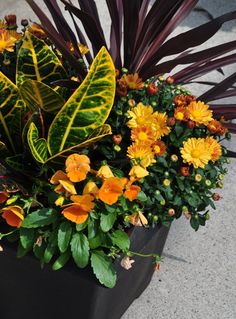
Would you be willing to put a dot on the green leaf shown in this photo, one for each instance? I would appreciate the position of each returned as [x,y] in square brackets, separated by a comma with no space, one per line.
[61,260]
[21,251]
[39,218]
[142,196]
[51,248]
[64,235]
[87,109]
[36,61]
[96,135]
[194,222]
[38,146]
[107,221]
[39,95]
[9,94]
[27,238]
[103,269]
[82,226]
[80,250]
[120,239]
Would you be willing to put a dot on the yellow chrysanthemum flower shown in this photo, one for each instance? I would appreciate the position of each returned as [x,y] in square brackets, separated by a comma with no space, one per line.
[143,134]
[199,112]
[215,148]
[140,115]
[159,124]
[196,152]
[141,154]
[7,41]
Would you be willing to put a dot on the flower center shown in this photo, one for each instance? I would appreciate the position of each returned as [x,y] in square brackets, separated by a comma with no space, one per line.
[196,153]
[179,115]
[142,136]
[157,149]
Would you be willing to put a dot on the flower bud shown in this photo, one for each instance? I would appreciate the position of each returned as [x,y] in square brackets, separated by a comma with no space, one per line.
[170,80]
[184,171]
[171,121]
[131,102]
[124,70]
[208,182]
[11,21]
[174,158]
[24,22]
[198,177]
[171,212]
[191,124]
[152,88]
[166,182]
[117,148]
[216,197]
[117,139]
[162,202]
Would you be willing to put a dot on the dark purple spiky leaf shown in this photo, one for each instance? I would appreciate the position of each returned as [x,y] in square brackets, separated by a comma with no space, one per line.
[93,32]
[231,127]
[186,40]
[199,57]
[116,13]
[231,154]
[62,25]
[219,88]
[153,51]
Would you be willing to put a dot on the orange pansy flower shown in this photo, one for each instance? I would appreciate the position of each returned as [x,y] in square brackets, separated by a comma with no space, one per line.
[90,188]
[78,211]
[77,167]
[111,189]
[14,215]
[64,185]
[105,172]
[132,192]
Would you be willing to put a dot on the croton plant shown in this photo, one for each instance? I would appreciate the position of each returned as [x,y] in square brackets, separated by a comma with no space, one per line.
[93,144]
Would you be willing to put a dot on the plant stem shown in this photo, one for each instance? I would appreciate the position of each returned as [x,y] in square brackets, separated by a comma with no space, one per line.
[4,235]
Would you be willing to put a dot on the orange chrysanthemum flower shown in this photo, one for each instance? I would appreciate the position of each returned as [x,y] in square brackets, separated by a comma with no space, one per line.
[78,212]
[132,192]
[7,41]
[14,215]
[77,167]
[143,134]
[216,127]
[64,185]
[214,147]
[195,151]
[199,112]
[3,197]
[181,113]
[159,148]
[182,100]
[141,154]
[111,190]
[140,115]
[132,81]
[160,124]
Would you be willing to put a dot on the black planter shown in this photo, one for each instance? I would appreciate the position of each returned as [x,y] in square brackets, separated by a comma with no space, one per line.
[27,292]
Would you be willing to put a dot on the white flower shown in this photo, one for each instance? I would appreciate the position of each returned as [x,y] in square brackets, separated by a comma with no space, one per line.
[126,262]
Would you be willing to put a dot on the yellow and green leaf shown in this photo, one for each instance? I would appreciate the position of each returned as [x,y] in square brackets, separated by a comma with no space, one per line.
[87,109]
[36,61]
[96,135]
[39,95]
[38,146]
[8,94]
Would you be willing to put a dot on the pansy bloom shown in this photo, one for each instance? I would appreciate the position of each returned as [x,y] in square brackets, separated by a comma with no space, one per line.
[77,167]
[14,215]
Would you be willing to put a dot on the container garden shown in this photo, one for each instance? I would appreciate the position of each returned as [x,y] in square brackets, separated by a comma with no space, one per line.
[30,292]
[95,142]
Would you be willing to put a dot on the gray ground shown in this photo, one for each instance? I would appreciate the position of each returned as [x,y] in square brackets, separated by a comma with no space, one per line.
[198,276]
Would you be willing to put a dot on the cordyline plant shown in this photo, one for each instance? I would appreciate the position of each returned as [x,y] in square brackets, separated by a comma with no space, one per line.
[93,144]
[140,38]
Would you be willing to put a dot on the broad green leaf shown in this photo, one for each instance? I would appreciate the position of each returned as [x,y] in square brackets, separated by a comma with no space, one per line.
[8,94]
[80,250]
[64,235]
[120,239]
[36,61]
[87,108]
[103,269]
[61,260]
[51,247]
[16,162]
[27,238]
[96,135]
[107,221]
[38,146]
[39,95]
[39,218]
